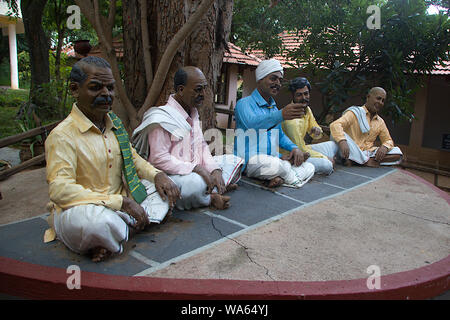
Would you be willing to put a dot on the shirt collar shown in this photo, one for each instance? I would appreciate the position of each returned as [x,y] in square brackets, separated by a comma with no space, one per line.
[83,123]
[261,102]
[368,113]
[175,104]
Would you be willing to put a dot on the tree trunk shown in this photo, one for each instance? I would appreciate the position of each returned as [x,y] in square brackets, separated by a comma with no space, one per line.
[133,57]
[61,30]
[32,11]
[204,48]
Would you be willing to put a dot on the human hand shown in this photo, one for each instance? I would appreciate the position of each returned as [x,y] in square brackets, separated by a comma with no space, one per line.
[297,157]
[285,157]
[202,172]
[293,111]
[136,211]
[345,150]
[218,182]
[381,153]
[167,189]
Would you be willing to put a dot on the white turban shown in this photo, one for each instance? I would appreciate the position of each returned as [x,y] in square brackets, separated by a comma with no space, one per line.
[267,67]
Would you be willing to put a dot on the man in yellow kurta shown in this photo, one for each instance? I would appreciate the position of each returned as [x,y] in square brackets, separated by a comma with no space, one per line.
[355,132]
[296,129]
[92,209]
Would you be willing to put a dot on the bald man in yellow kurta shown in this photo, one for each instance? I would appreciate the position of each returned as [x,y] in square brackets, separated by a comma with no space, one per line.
[354,134]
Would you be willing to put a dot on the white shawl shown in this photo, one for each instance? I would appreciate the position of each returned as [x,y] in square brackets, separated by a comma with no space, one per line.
[165,116]
[360,114]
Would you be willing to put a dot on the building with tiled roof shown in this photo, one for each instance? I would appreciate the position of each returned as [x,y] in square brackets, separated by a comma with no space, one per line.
[236,56]
[290,41]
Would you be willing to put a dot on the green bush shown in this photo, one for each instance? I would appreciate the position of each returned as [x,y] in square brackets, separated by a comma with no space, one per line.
[24,67]
[10,103]
[5,78]
[54,100]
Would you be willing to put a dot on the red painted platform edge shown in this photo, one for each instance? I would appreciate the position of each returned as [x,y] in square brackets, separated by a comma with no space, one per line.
[26,280]
[442,193]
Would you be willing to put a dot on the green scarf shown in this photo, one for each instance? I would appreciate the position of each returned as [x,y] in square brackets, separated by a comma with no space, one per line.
[135,185]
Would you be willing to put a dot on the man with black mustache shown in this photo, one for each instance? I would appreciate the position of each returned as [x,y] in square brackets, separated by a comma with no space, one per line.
[88,158]
[259,134]
[171,138]
[296,129]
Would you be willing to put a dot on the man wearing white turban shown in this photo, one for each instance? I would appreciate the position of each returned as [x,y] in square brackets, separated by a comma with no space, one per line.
[259,134]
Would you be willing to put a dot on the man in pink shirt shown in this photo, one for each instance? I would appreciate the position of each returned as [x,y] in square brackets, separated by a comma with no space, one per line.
[171,138]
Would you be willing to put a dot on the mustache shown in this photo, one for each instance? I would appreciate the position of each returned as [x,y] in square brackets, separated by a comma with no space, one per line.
[302,101]
[102,100]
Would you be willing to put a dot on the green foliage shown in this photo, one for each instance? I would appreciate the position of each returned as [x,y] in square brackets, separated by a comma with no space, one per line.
[26,123]
[256,26]
[51,104]
[87,32]
[5,77]
[23,60]
[53,96]
[64,67]
[10,103]
[343,57]
[12,98]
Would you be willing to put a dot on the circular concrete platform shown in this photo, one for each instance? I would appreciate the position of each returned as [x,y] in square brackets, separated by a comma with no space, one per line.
[399,213]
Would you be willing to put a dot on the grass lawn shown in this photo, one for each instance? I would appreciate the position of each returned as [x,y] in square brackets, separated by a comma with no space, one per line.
[10,101]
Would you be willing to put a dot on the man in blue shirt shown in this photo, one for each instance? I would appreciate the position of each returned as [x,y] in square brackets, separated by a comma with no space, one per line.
[259,134]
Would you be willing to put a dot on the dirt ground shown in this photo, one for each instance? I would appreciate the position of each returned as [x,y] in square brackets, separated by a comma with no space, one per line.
[24,195]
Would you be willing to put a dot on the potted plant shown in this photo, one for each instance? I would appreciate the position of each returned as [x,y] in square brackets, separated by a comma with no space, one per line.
[82,47]
[33,146]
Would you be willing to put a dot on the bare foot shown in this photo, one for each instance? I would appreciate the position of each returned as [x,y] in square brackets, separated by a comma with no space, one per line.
[99,254]
[372,163]
[219,202]
[275,182]
[333,162]
[232,187]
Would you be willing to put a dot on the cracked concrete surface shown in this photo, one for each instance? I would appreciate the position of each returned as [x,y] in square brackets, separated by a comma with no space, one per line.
[246,249]
[397,223]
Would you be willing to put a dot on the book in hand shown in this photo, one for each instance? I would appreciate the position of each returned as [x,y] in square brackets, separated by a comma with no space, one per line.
[155,207]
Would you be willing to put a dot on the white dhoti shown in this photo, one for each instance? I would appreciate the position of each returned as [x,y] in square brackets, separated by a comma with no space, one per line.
[394,150]
[193,187]
[267,167]
[84,227]
[331,148]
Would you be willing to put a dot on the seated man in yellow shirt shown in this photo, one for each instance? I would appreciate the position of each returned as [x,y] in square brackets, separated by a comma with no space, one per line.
[355,132]
[296,129]
[88,158]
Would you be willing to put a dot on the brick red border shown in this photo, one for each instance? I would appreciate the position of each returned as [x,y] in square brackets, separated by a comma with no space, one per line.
[26,280]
